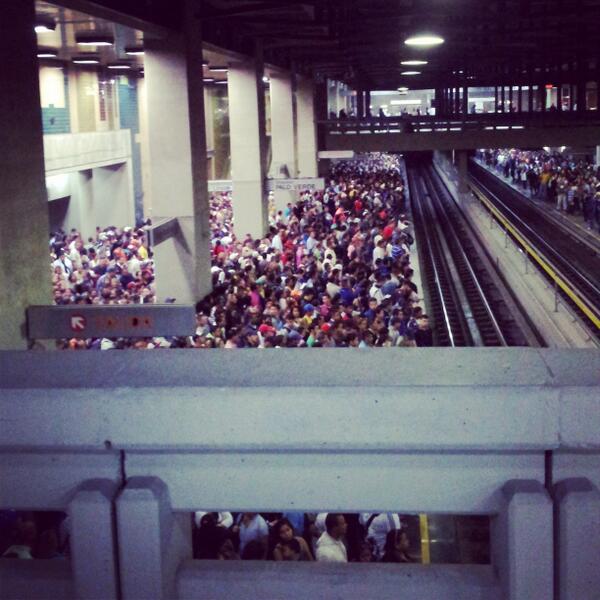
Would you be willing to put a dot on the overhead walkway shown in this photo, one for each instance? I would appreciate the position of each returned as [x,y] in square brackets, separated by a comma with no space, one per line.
[426,133]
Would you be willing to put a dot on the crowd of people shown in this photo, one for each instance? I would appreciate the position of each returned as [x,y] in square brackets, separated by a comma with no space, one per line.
[570,186]
[324,537]
[333,270]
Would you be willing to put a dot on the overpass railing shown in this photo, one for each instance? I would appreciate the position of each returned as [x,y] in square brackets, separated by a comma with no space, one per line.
[470,122]
[129,442]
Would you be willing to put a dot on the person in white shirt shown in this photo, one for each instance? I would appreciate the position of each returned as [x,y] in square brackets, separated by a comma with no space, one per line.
[330,547]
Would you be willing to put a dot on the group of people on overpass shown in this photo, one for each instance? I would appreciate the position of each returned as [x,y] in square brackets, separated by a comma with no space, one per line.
[334,270]
[296,536]
[570,186]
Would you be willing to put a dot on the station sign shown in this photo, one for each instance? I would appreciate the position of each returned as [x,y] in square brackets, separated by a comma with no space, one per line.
[296,185]
[132,320]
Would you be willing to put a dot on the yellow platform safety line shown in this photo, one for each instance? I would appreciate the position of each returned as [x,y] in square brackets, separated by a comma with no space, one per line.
[424,527]
[593,317]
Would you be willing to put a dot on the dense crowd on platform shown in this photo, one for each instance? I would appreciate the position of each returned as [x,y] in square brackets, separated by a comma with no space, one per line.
[324,537]
[570,186]
[333,271]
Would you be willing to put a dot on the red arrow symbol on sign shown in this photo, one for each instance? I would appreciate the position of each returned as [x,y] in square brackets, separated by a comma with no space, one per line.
[77,322]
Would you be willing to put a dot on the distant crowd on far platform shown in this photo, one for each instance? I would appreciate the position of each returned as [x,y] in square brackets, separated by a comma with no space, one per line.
[571,186]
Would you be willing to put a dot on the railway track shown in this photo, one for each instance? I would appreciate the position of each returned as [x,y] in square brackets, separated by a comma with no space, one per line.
[469,303]
[570,264]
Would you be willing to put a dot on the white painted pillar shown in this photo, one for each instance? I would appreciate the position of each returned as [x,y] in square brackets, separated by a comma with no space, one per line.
[598,156]
[282,127]
[93,556]
[306,129]
[248,143]
[153,541]
[521,540]
[177,149]
[24,228]
[578,545]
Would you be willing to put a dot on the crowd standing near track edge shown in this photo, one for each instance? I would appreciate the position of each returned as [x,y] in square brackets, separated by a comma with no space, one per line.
[333,271]
[570,186]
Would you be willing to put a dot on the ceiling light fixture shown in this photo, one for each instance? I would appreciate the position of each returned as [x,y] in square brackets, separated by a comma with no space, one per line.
[205,63]
[413,63]
[86,60]
[424,40]
[403,89]
[410,73]
[219,69]
[119,66]
[221,82]
[134,50]
[209,80]
[44,25]
[47,53]
[266,79]
[94,39]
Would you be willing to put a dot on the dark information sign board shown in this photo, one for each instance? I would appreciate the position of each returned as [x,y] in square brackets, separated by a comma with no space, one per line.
[132,320]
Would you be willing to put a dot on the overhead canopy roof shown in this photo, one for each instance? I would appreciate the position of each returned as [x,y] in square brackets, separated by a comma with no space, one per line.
[362,41]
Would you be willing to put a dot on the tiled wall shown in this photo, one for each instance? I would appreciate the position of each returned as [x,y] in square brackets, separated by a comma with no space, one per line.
[57,119]
[130,119]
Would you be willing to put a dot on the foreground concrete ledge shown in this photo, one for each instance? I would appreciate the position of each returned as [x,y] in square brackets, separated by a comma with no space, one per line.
[36,579]
[324,367]
[330,581]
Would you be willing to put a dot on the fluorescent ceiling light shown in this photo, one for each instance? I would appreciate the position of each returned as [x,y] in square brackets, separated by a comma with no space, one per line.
[208,79]
[134,50]
[86,60]
[205,63]
[221,82]
[119,66]
[410,73]
[47,53]
[45,25]
[413,63]
[91,39]
[403,89]
[222,69]
[424,40]
[266,79]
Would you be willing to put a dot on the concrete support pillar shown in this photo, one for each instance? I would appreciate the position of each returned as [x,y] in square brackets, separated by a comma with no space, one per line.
[463,176]
[153,541]
[368,103]
[522,541]
[495,98]
[248,140]
[597,156]
[306,131]
[360,103]
[24,228]
[178,167]
[283,163]
[577,510]
[93,543]
[465,101]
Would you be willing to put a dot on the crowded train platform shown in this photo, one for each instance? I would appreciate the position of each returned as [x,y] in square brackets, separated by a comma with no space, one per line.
[334,271]
[568,184]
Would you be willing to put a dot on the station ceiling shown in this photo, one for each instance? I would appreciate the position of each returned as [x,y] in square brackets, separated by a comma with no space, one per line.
[361,42]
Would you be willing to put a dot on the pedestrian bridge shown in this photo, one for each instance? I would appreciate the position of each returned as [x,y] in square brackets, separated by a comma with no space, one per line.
[469,132]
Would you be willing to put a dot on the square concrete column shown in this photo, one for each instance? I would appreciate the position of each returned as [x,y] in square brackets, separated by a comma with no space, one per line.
[248,148]
[522,541]
[463,171]
[577,509]
[283,163]
[306,128]
[93,543]
[24,229]
[178,171]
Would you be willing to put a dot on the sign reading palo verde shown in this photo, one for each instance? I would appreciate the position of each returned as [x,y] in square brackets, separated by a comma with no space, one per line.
[297,185]
[133,320]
